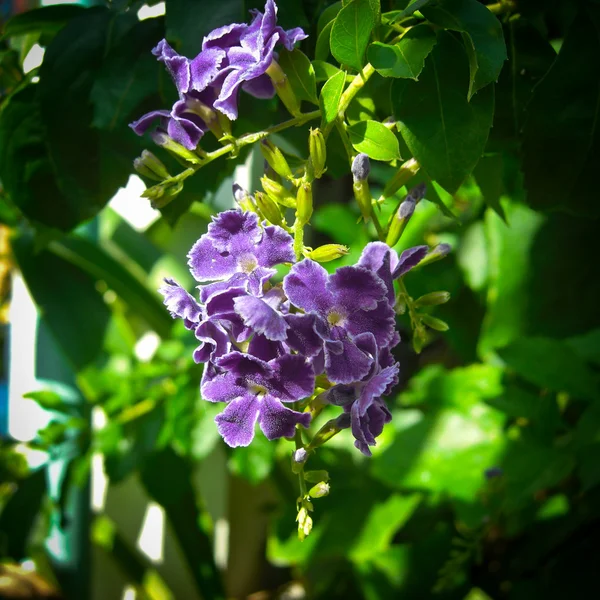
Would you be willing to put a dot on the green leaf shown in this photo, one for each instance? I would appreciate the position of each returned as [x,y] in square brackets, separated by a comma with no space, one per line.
[49,400]
[45,20]
[382,523]
[351,33]
[406,58]
[375,140]
[445,132]
[587,346]
[488,174]
[413,7]
[561,136]
[482,34]
[323,42]
[300,74]
[255,462]
[551,364]
[324,70]
[328,15]
[330,97]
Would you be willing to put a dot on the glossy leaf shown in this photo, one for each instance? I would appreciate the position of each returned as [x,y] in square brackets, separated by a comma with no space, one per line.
[482,34]
[330,97]
[322,49]
[351,32]
[323,70]
[300,74]
[375,140]
[328,15]
[407,57]
[561,137]
[445,132]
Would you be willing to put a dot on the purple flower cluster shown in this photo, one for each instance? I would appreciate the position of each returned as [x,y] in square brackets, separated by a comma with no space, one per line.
[232,57]
[264,344]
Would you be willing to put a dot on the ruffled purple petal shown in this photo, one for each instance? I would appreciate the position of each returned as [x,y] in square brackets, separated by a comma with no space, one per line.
[302,335]
[232,226]
[205,67]
[236,281]
[207,263]
[261,318]
[381,259]
[278,421]
[236,423]
[143,123]
[275,247]
[214,341]
[290,37]
[224,37]
[179,302]
[257,279]
[350,365]
[185,132]
[356,288]
[228,96]
[223,387]
[380,322]
[264,349]
[245,366]
[177,65]
[260,87]
[292,379]
[306,287]
[409,259]
[375,387]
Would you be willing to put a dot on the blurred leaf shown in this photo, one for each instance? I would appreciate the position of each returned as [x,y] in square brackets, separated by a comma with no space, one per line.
[551,364]
[561,140]
[330,97]
[255,462]
[69,303]
[187,22]
[445,132]
[383,521]
[488,174]
[323,70]
[49,400]
[587,346]
[407,57]
[167,479]
[47,20]
[300,74]
[375,140]
[482,34]
[351,32]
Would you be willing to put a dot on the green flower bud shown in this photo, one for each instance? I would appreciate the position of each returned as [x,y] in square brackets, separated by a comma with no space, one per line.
[162,139]
[283,88]
[304,203]
[319,490]
[207,114]
[328,252]
[269,210]
[162,194]
[437,253]
[304,524]
[278,192]
[401,177]
[318,152]
[274,156]
[316,476]
[399,221]
[142,169]
[434,322]
[151,166]
[432,299]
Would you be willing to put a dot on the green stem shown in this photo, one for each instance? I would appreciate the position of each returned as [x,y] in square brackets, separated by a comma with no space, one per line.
[299,445]
[298,239]
[323,435]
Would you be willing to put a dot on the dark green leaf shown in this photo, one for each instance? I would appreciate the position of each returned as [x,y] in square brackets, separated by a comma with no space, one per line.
[587,346]
[323,42]
[445,132]
[488,174]
[330,97]
[413,6]
[323,70]
[44,20]
[300,74]
[482,35]
[406,58]
[351,33]
[551,364]
[561,137]
[375,140]
[328,15]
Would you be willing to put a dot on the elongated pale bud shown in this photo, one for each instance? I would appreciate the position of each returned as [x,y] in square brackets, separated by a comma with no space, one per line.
[299,457]
[399,221]
[401,177]
[361,167]
[278,192]
[269,210]
[164,141]
[283,88]
[319,490]
[304,203]
[437,253]
[328,252]
[318,152]
[207,114]
[274,156]
[432,299]
[434,322]
[142,169]
[242,198]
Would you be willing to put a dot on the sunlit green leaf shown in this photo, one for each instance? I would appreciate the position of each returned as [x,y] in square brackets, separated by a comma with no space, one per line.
[300,74]
[330,97]
[375,140]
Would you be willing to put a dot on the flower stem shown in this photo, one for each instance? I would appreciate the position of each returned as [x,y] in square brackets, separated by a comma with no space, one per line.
[300,444]
[298,239]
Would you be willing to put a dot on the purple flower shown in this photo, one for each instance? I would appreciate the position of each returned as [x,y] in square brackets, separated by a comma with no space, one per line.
[236,252]
[351,301]
[362,401]
[254,391]
[180,303]
[186,121]
[249,51]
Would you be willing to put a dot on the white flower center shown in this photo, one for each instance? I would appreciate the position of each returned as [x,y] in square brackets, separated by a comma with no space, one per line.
[247,263]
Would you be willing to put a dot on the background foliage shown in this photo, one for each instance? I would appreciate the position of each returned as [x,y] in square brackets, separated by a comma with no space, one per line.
[487,481]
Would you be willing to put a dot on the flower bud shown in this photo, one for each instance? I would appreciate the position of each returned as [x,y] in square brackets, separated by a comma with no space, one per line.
[437,253]
[242,198]
[269,210]
[316,476]
[274,156]
[399,221]
[299,457]
[432,299]
[162,139]
[304,203]
[304,524]
[151,166]
[317,152]
[434,322]
[283,88]
[319,490]
[142,169]
[361,167]
[401,177]
[278,192]
[328,252]
[162,194]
